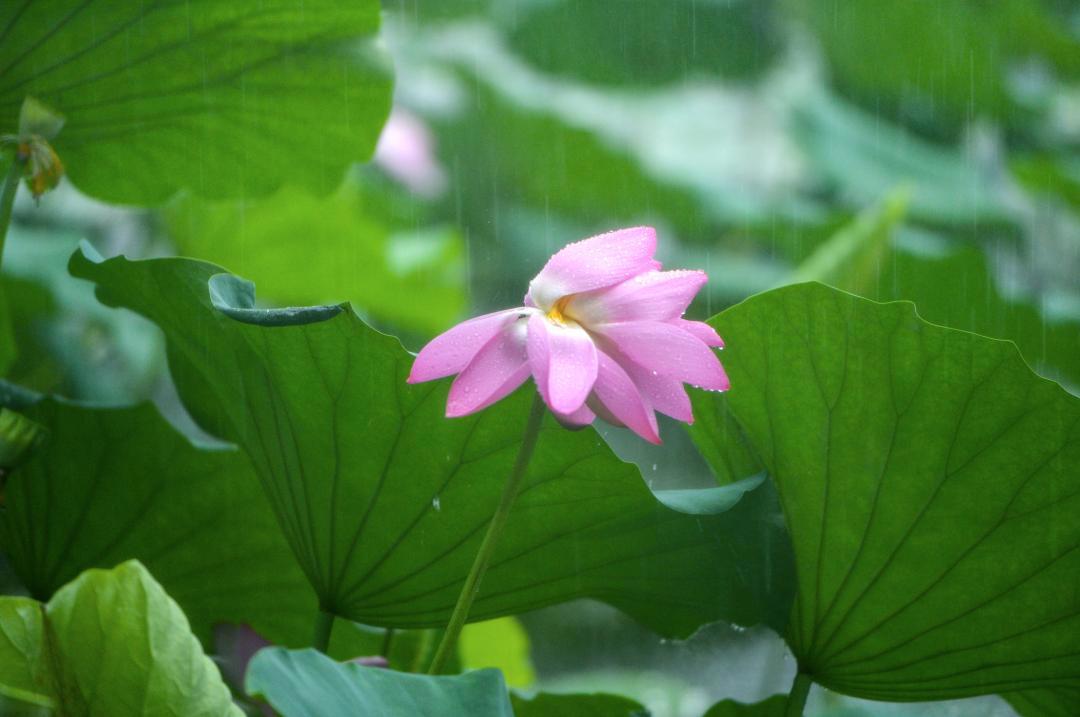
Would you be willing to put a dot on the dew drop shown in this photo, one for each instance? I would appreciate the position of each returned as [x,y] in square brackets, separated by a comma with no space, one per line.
[436,504]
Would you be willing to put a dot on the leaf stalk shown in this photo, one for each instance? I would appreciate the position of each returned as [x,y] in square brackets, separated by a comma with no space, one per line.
[324,625]
[796,701]
[487,548]
[7,197]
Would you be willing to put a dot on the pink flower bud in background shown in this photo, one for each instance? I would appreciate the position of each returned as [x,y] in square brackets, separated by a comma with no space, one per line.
[602,334]
[406,151]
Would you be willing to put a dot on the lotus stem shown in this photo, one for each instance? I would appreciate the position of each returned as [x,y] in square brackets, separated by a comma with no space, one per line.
[7,197]
[800,688]
[324,625]
[487,548]
[387,643]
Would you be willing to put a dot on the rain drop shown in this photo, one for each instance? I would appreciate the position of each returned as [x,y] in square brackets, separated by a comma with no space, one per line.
[436,504]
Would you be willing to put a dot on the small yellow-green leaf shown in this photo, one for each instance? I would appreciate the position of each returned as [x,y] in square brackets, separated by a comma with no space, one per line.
[501,643]
[111,642]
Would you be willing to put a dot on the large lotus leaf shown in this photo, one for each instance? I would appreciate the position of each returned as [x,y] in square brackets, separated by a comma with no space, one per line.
[224,98]
[948,281]
[112,484]
[863,158]
[647,42]
[511,146]
[852,259]
[1061,702]
[929,481]
[583,156]
[112,642]
[411,279]
[935,63]
[775,706]
[384,501]
[306,683]
[577,705]
[951,285]
[1056,174]
[121,483]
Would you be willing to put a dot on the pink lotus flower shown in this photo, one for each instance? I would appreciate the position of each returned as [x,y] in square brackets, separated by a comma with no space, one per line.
[406,151]
[601,333]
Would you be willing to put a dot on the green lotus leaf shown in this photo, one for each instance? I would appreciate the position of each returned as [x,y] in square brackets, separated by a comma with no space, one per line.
[878,257]
[384,501]
[1061,702]
[413,279]
[227,99]
[773,707]
[929,481]
[111,642]
[862,158]
[120,483]
[965,49]
[306,683]
[577,705]
[652,41]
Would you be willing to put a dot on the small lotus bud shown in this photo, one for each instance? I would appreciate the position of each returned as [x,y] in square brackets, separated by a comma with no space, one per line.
[41,166]
[37,119]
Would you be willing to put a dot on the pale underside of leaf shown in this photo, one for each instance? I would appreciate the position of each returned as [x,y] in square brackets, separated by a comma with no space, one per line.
[306,683]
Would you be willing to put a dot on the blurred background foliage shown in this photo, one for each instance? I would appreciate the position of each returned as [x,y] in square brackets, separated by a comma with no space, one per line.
[926,150]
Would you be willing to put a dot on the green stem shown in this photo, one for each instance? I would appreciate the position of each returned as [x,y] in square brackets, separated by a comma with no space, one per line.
[324,624]
[796,700]
[387,642]
[7,198]
[423,649]
[491,538]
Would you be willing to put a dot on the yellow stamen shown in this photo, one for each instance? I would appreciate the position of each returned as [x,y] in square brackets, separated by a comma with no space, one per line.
[558,311]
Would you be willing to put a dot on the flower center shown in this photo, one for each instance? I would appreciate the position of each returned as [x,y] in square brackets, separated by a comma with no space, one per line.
[558,312]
